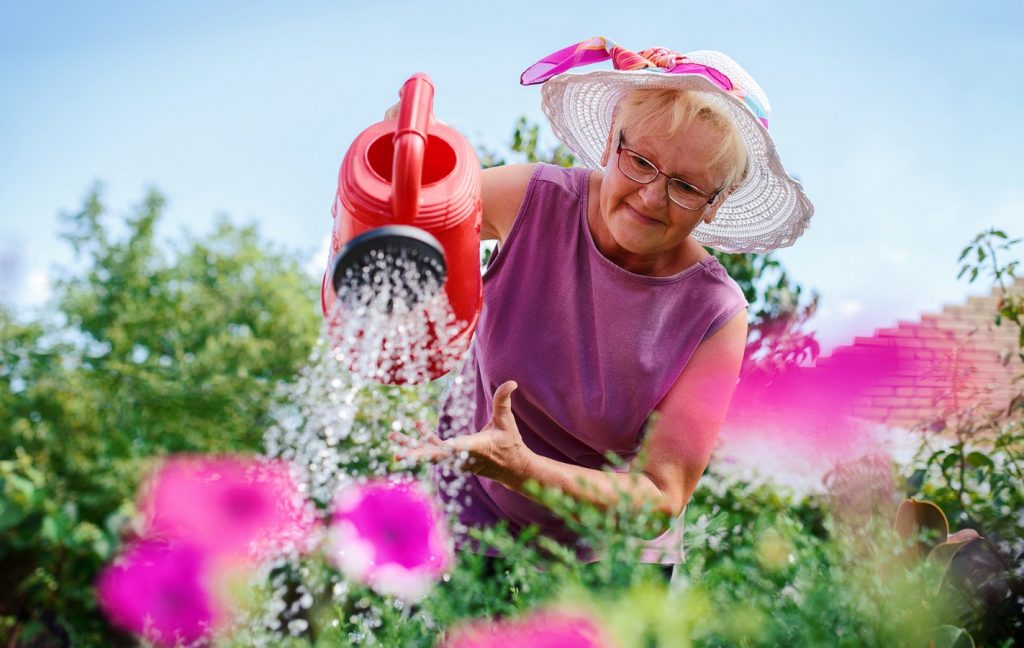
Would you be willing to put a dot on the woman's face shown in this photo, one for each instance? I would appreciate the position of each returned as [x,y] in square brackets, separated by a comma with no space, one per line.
[638,227]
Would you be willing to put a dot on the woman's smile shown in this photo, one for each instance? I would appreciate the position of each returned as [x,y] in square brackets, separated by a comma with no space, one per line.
[640,217]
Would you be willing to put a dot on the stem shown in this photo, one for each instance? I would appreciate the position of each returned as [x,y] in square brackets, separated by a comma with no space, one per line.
[963,470]
[996,270]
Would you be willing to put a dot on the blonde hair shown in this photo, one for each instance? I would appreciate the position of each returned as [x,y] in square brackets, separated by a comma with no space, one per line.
[665,111]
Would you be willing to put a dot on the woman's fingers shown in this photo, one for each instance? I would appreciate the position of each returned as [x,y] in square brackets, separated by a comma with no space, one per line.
[502,412]
[402,439]
[424,446]
[430,453]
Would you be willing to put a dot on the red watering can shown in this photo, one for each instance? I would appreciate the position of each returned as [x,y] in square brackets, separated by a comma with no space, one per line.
[409,189]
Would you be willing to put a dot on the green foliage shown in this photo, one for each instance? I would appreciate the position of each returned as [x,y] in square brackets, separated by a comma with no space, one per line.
[159,347]
[152,347]
[971,464]
[526,149]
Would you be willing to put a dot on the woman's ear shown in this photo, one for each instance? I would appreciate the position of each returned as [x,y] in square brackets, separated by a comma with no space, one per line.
[710,215]
[607,149]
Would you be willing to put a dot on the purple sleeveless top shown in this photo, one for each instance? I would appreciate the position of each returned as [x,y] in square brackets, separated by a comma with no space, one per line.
[593,347]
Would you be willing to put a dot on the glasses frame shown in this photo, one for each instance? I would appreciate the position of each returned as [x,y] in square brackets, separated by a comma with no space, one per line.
[711,198]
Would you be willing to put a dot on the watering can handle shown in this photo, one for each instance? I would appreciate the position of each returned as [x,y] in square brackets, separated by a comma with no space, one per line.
[414,116]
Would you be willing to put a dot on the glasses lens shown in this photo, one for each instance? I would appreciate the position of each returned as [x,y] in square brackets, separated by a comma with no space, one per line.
[686,195]
[636,168]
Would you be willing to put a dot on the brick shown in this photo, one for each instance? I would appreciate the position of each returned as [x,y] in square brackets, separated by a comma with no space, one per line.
[871,342]
[989,302]
[961,325]
[911,413]
[873,413]
[915,343]
[877,391]
[927,381]
[896,333]
[932,332]
[895,381]
[889,401]
[922,402]
[906,391]
[907,423]
[956,312]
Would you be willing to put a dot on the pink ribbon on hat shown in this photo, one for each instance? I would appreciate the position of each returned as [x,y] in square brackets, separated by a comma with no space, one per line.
[660,59]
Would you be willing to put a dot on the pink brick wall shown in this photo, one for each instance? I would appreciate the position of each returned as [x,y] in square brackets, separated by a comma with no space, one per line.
[955,357]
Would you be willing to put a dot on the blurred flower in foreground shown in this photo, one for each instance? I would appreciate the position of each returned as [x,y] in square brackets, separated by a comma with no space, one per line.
[159,590]
[861,488]
[537,630]
[228,505]
[389,535]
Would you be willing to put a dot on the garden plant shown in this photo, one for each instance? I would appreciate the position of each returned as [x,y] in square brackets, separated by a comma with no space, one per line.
[146,492]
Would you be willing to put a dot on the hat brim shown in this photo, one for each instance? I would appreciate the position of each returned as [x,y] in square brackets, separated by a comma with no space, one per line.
[767,211]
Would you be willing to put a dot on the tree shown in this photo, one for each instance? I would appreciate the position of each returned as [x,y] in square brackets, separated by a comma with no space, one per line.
[151,349]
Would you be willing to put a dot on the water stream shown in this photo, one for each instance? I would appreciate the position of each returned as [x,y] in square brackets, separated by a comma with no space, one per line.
[333,422]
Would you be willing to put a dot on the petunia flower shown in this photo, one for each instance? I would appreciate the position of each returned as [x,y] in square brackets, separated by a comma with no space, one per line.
[160,590]
[389,535]
[544,629]
[228,506]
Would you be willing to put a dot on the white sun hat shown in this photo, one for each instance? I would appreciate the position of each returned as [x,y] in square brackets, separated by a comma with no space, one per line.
[768,210]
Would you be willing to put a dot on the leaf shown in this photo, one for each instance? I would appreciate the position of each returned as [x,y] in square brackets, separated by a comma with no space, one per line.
[979,459]
[943,552]
[915,518]
[916,480]
[950,460]
[947,636]
[10,514]
[964,253]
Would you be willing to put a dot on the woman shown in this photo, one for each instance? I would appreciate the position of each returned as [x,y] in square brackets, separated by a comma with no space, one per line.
[606,326]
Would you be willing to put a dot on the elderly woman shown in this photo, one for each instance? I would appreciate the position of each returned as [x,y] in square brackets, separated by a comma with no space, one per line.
[606,325]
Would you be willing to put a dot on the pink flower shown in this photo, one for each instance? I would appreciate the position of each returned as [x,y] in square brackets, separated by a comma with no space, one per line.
[228,505]
[389,535]
[159,590]
[537,630]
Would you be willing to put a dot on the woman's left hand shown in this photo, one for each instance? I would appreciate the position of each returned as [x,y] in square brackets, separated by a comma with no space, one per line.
[497,451]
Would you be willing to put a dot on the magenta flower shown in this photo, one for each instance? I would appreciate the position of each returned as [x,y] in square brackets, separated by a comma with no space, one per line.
[389,535]
[537,630]
[228,505]
[160,590]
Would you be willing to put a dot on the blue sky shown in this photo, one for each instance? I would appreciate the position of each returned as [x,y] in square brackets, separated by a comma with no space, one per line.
[903,122]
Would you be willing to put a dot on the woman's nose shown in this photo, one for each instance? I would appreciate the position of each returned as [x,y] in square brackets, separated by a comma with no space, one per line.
[654,193]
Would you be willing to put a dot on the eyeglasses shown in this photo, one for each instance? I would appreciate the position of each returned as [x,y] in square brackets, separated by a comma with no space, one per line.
[639,169]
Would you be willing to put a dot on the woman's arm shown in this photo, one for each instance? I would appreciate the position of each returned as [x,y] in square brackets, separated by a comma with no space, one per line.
[502,192]
[675,453]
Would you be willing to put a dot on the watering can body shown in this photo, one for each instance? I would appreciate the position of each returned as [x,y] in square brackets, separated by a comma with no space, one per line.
[420,178]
